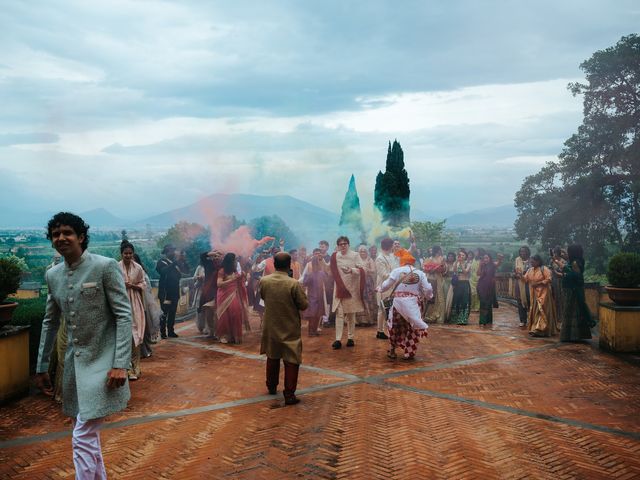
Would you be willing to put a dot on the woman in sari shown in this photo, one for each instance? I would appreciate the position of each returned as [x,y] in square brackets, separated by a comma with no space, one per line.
[576,321]
[474,263]
[461,290]
[522,264]
[435,267]
[486,289]
[152,314]
[369,316]
[542,312]
[134,281]
[406,326]
[313,279]
[556,264]
[448,289]
[231,301]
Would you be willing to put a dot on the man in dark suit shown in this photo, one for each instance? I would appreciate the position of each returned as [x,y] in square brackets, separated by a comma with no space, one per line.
[168,290]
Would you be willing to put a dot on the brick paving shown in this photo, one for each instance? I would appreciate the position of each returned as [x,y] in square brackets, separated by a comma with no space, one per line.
[476,403]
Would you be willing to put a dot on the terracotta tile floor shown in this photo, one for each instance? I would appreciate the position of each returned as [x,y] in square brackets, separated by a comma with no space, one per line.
[475,404]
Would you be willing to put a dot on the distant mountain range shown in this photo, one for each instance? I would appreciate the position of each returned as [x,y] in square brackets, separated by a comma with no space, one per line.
[246,207]
[301,216]
[502,217]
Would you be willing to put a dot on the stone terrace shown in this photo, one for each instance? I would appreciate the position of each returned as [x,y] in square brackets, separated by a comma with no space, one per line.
[476,403]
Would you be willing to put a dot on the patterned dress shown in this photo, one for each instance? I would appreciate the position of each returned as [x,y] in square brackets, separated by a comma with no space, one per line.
[406,326]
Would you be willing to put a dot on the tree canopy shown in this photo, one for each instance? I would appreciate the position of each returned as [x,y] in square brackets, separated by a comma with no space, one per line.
[274,226]
[391,194]
[591,195]
[192,238]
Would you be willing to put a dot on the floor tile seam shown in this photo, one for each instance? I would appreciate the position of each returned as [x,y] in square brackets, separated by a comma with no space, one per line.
[464,362]
[253,356]
[130,422]
[512,410]
[452,328]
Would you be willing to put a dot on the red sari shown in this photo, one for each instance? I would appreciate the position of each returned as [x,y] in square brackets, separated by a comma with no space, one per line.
[231,301]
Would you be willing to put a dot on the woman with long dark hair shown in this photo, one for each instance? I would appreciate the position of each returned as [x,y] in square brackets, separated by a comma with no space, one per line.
[542,312]
[486,288]
[576,321]
[152,314]
[313,279]
[134,281]
[461,290]
[231,301]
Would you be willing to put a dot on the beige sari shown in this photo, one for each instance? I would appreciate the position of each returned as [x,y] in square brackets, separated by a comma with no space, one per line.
[542,321]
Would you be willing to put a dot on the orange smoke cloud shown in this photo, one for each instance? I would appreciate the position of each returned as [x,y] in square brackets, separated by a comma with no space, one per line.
[240,242]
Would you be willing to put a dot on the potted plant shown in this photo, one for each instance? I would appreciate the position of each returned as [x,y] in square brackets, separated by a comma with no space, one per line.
[10,272]
[624,275]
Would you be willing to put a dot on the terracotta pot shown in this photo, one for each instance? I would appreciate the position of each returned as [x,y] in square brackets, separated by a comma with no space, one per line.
[624,296]
[6,312]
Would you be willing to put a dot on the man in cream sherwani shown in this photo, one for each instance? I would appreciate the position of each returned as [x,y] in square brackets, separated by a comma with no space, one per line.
[349,277]
[89,291]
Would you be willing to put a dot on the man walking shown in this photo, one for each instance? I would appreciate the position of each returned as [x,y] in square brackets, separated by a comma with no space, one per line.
[281,339]
[89,291]
[349,277]
[168,290]
[385,263]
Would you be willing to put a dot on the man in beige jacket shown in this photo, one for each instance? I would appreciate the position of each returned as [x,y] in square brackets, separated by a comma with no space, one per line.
[349,277]
[283,298]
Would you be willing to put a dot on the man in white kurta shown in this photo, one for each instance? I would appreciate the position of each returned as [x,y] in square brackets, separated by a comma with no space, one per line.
[348,274]
[405,322]
[386,261]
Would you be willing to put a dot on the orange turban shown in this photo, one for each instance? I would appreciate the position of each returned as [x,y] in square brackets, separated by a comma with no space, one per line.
[405,257]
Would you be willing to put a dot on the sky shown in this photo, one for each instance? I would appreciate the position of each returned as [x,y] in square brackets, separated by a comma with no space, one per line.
[141,107]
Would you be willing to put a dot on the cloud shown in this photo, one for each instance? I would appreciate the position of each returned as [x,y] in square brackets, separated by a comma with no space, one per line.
[143,97]
[7,139]
[539,160]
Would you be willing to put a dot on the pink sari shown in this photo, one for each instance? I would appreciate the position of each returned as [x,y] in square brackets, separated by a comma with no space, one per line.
[231,309]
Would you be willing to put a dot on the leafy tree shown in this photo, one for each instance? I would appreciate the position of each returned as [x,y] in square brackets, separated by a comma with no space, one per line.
[351,213]
[273,226]
[191,238]
[591,195]
[428,234]
[391,193]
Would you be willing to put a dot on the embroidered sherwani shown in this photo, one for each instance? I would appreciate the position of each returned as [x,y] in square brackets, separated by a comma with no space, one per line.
[93,299]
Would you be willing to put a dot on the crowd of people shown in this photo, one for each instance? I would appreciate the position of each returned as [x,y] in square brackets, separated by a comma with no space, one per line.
[102,318]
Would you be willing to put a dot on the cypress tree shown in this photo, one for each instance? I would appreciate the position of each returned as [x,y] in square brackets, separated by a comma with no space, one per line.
[351,213]
[392,192]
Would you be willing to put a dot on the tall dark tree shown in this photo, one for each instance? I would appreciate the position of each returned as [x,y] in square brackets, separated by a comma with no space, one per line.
[391,194]
[591,195]
[351,213]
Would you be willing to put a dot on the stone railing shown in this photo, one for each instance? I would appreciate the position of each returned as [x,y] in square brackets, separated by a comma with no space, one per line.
[594,293]
[185,304]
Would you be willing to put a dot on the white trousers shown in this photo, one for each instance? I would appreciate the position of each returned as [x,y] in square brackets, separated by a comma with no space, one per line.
[382,313]
[87,452]
[341,317]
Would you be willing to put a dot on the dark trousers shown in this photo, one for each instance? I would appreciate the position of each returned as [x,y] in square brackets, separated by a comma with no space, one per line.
[168,320]
[290,376]
[523,310]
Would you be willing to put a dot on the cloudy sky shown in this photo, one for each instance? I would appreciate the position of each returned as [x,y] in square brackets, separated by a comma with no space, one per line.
[144,106]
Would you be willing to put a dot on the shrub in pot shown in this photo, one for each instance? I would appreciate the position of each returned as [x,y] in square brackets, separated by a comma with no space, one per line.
[624,276]
[10,271]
